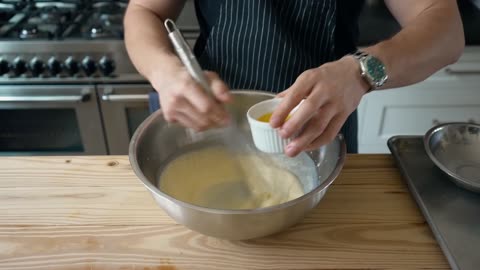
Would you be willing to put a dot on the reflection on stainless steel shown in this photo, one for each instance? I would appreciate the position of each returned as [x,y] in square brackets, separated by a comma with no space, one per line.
[455,149]
[97,31]
[29,31]
[123,98]
[156,142]
[79,98]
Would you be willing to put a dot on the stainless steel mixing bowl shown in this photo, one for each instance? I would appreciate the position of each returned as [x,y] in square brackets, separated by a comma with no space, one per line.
[455,149]
[156,142]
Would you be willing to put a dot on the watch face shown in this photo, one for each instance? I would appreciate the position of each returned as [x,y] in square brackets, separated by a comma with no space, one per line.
[376,69]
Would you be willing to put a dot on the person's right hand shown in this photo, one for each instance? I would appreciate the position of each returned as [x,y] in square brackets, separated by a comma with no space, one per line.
[183,101]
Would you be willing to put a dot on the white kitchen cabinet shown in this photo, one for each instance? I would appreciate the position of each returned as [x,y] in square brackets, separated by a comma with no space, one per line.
[450,95]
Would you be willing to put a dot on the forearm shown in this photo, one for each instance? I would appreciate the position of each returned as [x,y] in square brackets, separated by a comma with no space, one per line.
[428,42]
[147,42]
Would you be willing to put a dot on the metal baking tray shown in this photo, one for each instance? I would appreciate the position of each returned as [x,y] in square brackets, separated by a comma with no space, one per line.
[453,213]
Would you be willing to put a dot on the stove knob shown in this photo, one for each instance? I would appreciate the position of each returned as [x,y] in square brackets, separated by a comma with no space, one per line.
[4,66]
[36,66]
[89,66]
[72,66]
[107,65]
[19,66]
[54,66]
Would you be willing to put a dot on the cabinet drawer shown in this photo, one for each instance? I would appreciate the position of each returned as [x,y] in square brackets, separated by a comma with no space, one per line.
[416,120]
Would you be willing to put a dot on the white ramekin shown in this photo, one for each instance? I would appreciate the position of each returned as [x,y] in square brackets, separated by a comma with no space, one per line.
[265,138]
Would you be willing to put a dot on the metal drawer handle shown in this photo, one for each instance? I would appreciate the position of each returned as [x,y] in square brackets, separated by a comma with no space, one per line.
[454,71]
[123,98]
[56,99]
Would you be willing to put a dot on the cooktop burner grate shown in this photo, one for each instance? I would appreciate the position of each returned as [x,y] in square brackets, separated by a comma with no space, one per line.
[58,20]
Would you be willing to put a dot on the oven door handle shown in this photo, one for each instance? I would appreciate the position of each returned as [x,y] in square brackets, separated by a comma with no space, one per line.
[124,98]
[54,99]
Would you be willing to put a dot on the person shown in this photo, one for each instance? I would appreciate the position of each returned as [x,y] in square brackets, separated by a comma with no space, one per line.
[301,50]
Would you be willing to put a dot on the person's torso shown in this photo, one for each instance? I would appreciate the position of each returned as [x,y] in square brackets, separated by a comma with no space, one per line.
[266,44]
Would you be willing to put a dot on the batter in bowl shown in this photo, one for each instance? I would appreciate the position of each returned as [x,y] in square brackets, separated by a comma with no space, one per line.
[209,177]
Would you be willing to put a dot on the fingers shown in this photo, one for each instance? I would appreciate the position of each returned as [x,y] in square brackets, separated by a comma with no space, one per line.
[219,88]
[300,89]
[186,121]
[199,122]
[283,93]
[315,127]
[329,134]
[187,115]
[308,108]
[204,104]
[183,100]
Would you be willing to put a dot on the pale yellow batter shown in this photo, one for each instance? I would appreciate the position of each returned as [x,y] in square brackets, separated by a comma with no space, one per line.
[212,177]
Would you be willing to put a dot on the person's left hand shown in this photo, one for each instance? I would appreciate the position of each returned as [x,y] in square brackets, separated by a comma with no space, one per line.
[331,92]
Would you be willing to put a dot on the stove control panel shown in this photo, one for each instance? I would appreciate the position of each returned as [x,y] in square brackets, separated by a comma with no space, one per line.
[66,61]
[106,65]
[52,66]
[89,65]
[36,66]
[18,66]
[4,66]
[71,66]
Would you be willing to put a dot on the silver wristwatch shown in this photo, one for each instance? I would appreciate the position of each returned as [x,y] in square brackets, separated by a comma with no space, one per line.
[372,69]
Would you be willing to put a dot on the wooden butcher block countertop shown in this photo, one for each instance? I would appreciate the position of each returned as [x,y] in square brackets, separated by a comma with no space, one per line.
[93,213]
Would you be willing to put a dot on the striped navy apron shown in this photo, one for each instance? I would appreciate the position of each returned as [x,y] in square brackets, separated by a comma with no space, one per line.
[266,44]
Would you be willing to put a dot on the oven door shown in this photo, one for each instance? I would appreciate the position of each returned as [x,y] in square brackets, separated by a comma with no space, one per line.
[124,107]
[50,120]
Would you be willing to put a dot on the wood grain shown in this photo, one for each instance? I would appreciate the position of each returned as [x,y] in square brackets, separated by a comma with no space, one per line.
[77,171]
[93,213]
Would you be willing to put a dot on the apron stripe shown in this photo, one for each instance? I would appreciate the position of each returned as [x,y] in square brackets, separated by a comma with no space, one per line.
[288,77]
[272,76]
[332,47]
[244,51]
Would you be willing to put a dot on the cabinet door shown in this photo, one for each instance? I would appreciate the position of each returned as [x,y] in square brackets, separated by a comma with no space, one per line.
[124,107]
[50,120]
[415,109]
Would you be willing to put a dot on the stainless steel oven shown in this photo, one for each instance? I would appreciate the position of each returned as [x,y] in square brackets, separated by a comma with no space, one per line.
[124,107]
[67,85]
[53,119]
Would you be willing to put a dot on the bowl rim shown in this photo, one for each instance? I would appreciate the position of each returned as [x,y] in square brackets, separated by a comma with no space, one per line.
[426,143]
[139,133]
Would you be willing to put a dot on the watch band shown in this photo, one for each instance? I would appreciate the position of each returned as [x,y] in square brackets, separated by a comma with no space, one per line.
[359,55]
